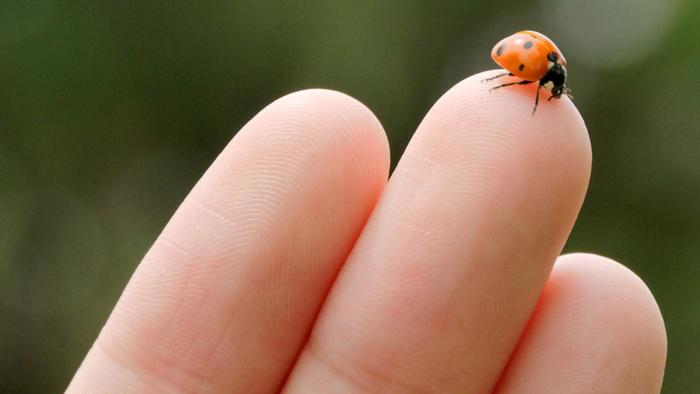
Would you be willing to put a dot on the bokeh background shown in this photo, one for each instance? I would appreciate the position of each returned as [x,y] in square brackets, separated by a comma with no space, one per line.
[110,111]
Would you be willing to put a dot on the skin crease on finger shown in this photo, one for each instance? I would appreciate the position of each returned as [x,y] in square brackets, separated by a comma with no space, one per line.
[441,283]
[596,329]
[226,297]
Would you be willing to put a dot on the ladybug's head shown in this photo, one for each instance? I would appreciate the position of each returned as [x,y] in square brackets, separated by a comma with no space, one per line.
[561,90]
[555,79]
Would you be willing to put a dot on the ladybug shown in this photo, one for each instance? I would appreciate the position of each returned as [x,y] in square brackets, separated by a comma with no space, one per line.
[533,57]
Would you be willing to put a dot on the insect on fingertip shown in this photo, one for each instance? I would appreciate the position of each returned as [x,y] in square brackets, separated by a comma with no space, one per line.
[533,57]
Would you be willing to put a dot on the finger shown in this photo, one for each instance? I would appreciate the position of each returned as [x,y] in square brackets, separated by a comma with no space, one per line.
[225,298]
[596,329]
[441,283]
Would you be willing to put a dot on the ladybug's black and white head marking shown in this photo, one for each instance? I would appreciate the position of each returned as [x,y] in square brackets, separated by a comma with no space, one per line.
[555,79]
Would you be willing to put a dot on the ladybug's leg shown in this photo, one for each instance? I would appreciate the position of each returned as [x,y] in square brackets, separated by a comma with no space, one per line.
[537,99]
[496,77]
[510,84]
[565,93]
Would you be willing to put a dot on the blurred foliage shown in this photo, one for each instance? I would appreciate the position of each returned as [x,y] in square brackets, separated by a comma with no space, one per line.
[110,110]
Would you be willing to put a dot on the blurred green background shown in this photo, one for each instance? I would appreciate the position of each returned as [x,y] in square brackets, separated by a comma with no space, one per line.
[110,111]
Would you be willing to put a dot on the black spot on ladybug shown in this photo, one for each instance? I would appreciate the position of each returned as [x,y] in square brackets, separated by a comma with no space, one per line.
[552,56]
[521,67]
[500,49]
[528,45]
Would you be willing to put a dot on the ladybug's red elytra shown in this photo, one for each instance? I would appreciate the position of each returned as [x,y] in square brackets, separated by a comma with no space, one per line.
[533,57]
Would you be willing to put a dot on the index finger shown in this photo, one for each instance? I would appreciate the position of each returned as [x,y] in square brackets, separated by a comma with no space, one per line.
[441,283]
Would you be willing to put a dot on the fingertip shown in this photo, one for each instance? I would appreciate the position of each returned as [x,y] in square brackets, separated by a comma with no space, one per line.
[628,306]
[474,97]
[512,107]
[323,140]
[545,156]
[515,104]
[329,116]
[630,301]
[596,327]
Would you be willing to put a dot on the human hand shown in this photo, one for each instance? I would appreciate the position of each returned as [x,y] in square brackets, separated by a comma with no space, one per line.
[292,265]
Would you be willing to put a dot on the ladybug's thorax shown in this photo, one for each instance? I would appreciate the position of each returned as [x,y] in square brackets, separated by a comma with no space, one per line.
[553,59]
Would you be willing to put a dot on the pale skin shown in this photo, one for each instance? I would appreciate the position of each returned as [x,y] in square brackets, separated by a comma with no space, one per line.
[294,266]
